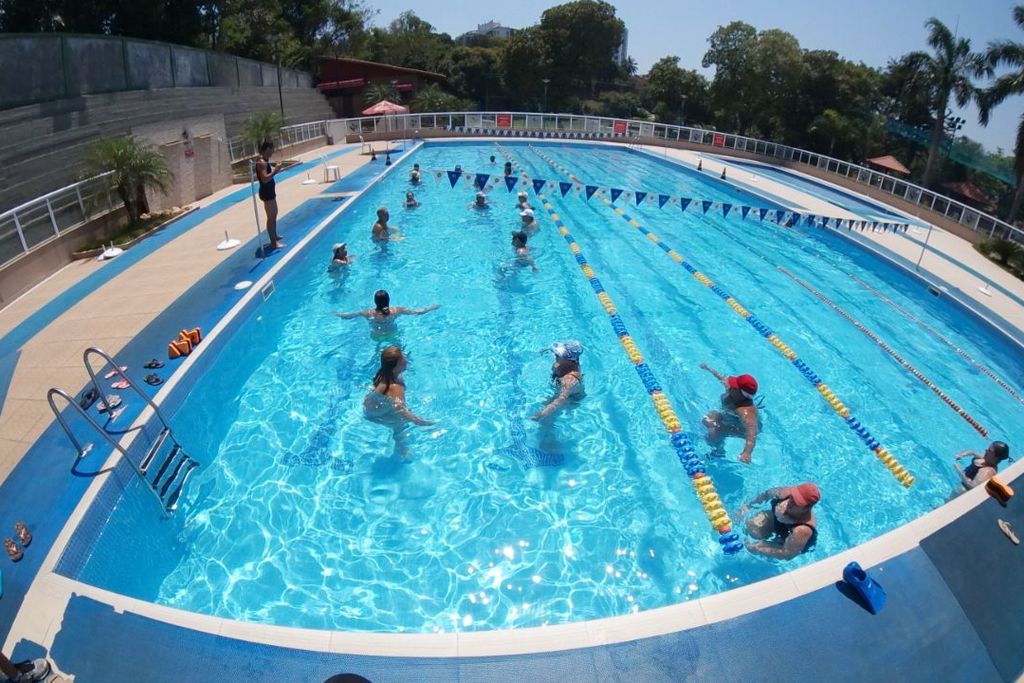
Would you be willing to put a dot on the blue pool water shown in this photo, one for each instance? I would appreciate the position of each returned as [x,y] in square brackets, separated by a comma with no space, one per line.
[844,200]
[304,515]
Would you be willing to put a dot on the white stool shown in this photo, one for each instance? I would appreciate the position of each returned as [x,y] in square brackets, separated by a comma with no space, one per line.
[330,172]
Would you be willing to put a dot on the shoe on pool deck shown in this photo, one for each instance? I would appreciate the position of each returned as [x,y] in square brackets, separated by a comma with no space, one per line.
[1007,529]
[31,670]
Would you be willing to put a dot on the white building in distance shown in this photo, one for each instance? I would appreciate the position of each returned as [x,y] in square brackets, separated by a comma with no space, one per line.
[622,54]
[491,29]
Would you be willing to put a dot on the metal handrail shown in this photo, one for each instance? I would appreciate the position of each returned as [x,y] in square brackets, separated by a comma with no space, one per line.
[117,369]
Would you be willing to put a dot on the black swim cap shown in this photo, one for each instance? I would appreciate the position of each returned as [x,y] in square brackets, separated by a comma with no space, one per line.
[1000,450]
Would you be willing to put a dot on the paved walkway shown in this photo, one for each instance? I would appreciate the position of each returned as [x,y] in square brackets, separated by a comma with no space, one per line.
[118,310]
[947,257]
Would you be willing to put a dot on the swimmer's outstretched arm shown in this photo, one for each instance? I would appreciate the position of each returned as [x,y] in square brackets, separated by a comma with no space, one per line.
[355,314]
[402,310]
[719,376]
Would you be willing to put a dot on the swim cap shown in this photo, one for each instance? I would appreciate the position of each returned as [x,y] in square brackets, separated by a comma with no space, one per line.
[1000,450]
[568,350]
[745,383]
[480,194]
[805,495]
[526,213]
[522,194]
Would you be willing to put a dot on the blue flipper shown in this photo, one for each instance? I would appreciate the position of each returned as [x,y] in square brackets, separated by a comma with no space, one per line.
[870,591]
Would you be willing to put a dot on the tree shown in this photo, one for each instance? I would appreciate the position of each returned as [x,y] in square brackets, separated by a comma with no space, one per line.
[433,98]
[949,70]
[409,41]
[377,91]
[730,51]
[260,127]
[473,72]
[136,167]
[1008,53]
[524,63]
[581,37]
[673,93]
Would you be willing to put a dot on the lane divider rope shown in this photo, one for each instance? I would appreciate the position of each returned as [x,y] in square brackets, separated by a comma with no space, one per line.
[938,335]
[889,350]
[883,454]
[702,483]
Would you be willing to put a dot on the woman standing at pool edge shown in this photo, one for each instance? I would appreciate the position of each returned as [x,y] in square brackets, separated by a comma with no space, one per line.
[265,172]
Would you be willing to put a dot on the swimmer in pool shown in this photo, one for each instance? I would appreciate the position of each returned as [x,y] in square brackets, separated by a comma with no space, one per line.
[414,177]
[789,528]
[340,258]
[382,232]
[565,375]
[492,158]
[522,203]
[530,224]
[508,168]
[382,316]
[523,256]
[385,402]
[982,466]
[480,202]
[739,414]
[410,200]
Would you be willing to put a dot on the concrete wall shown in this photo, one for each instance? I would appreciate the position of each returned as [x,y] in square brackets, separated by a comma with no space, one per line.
[57,66]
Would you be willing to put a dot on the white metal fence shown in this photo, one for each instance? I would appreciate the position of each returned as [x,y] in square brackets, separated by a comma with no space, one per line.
[511,122]
[289,135]
[35,223]
[30,225]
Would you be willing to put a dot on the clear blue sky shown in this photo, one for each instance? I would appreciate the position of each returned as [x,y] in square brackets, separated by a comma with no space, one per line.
[871,31]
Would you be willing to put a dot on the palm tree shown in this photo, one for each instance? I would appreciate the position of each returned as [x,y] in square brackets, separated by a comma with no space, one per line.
[949,69]
[1008,53]
[432,98]
[262,126]
[137,166]
[375,92]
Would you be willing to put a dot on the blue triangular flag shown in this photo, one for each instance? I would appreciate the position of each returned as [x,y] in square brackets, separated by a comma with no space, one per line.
[510,182]
[779,215]
[591,189]
[824,222]
[453,177]
[538,185]
[811,219]
[744,210]
[725,209]
[684,202]
[640,197]
[706,205]
[662,200]
[615,194]
[762,213]
[481,180]
[564,187]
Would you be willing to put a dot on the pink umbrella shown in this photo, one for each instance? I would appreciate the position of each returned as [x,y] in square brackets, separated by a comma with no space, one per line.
[385,107]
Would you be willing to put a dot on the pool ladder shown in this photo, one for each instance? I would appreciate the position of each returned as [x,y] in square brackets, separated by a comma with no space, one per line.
[175,465]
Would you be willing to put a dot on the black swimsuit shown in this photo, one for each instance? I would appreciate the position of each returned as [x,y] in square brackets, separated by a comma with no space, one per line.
[268,189]
[783,530]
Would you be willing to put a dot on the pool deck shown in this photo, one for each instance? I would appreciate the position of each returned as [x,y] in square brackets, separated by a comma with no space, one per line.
[43,334]
[121,306]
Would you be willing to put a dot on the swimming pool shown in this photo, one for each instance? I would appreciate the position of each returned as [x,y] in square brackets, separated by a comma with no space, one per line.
[302,515]
[844,200]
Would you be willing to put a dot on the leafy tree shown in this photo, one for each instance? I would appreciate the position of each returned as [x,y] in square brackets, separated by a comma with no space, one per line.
[262,126]
[473,72]
[136,167]
[409,41]
[1008,53]
[672,92]
[433,98]
[949,70]
[730,51]
[581,37]
[524,63]
[375,92]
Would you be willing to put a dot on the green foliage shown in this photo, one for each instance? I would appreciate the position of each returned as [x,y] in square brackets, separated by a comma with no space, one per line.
[260,126]
[136,167]
[380,90]
[581,38]
[473,72]
[432,99]
[673,93]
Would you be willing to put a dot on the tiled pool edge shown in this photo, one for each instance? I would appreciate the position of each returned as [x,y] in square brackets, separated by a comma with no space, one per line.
[655,622]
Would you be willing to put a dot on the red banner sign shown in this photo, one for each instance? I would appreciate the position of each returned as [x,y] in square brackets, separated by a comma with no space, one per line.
[504,120]
[619,127]
[718,140]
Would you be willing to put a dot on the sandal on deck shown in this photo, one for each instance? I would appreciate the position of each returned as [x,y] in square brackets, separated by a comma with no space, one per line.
[154,380]
[154,364]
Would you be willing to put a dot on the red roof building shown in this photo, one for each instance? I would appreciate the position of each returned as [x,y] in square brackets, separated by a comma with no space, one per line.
[343,79]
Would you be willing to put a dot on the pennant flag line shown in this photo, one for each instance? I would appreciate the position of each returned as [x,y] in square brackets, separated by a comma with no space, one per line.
[615,194]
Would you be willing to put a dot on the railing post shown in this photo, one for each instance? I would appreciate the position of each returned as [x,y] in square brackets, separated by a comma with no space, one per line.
[81,204]
[53,220]
[21,235]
